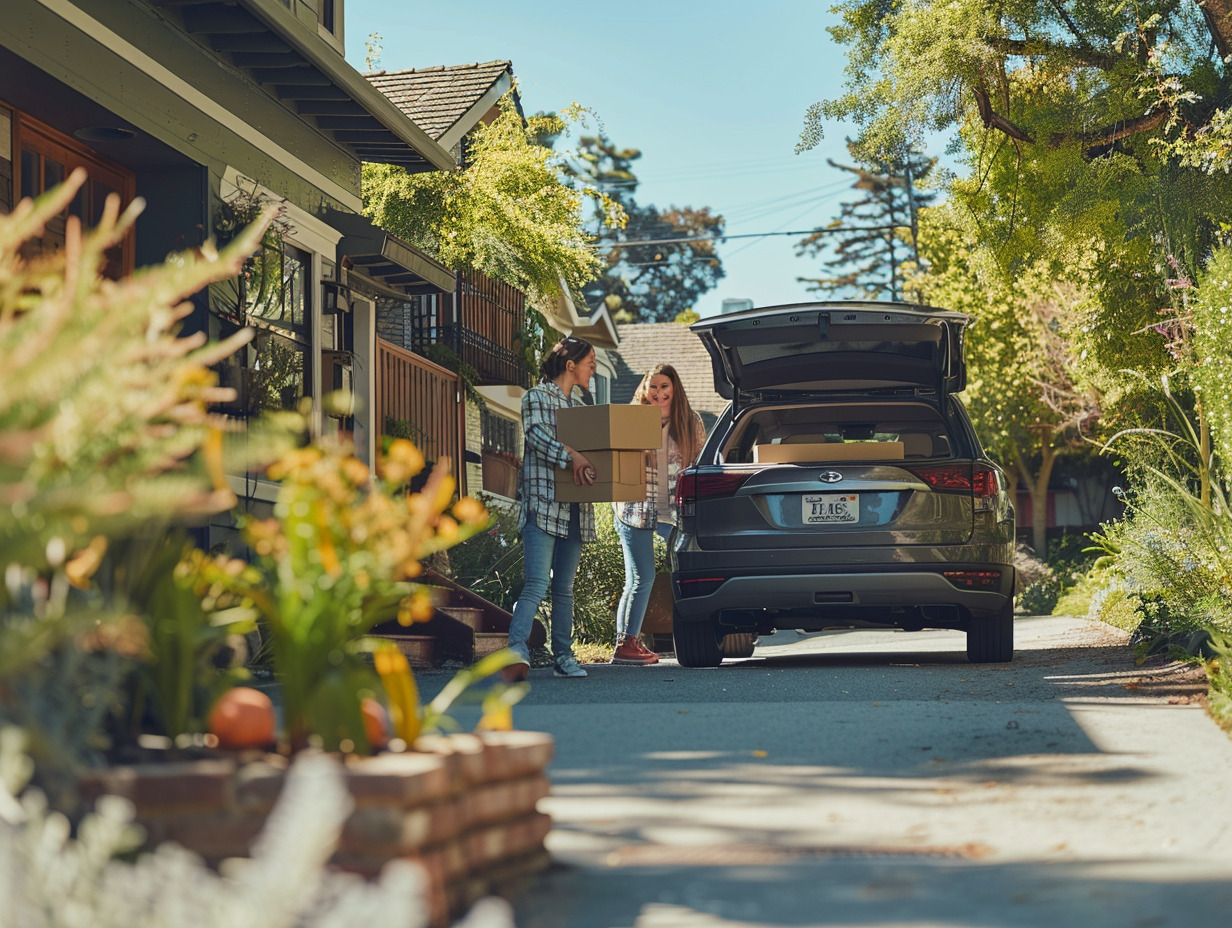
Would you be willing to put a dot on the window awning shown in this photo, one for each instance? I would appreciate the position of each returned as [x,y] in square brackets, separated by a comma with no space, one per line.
[264,40]
[387,259]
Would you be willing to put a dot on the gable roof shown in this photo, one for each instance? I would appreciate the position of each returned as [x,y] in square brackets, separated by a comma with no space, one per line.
[447,100]
[645,344]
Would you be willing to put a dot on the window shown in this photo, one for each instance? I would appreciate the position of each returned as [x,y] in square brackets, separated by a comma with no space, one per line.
[327,15]
[45,158]
[602,390]
[273,295]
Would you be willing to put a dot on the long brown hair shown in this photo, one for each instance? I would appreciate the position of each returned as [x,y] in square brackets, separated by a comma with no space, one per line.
[679,414]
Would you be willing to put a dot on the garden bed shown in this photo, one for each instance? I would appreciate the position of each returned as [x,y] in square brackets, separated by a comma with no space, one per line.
[463,806]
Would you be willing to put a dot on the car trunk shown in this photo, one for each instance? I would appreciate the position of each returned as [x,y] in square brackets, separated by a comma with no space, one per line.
[817,348]
[792,506]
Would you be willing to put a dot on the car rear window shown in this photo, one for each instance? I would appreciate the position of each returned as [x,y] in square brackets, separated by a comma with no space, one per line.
[834,432]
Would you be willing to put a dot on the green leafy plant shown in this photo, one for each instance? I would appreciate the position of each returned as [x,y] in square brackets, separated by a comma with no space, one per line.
[106,436]
[491,563]
[192,622]
[1176,542]
[338,557]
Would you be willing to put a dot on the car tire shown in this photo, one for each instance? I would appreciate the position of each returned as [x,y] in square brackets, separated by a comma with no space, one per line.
[990,640]
[738,644]
[697,645]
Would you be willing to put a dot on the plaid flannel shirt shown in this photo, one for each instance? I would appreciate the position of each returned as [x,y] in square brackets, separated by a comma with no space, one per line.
[543,453]
[645,513]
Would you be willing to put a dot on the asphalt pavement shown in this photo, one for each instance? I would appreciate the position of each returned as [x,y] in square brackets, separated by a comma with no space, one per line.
[878,779]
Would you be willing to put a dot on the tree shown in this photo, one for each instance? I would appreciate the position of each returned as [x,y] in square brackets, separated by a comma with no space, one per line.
[511,213]
[1093,135]
[1028,402]
[869,263]
[655,281]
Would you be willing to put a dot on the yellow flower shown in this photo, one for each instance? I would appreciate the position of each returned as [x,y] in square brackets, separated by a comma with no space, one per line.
[402,462]
[415,608]
[470,511]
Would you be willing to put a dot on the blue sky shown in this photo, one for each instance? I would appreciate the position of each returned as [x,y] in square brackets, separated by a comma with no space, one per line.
[713,93]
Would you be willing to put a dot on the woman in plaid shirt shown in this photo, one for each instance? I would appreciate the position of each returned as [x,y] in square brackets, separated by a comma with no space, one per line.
[638,522]
[552,532]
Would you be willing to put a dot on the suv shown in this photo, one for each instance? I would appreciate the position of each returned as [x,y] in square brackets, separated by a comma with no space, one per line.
[844,486]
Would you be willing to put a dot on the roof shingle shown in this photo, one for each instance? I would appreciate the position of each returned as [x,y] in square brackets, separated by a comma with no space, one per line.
[437,98]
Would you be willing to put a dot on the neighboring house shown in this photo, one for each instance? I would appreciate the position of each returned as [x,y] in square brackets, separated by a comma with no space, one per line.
[645,344]
[197,107]
[473,320]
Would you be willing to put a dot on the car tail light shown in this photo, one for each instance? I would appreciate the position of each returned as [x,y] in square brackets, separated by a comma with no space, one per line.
[984,482]
[945,476]
[980,479]
[973,579]
[693,485]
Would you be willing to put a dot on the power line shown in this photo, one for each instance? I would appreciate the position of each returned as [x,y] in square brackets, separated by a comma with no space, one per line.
[712,238]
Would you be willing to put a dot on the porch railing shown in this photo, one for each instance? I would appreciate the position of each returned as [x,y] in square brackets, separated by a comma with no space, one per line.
[427,398]
[485,328]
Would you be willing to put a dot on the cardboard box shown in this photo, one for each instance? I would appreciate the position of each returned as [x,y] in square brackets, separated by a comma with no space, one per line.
[828,452]
[620,476]
[622,428]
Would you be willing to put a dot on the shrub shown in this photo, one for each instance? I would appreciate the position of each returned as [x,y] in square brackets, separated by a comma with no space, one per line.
[491,562]
[106,440]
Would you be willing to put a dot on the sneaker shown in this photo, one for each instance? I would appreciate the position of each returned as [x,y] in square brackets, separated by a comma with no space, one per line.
[630,651]
[568,666]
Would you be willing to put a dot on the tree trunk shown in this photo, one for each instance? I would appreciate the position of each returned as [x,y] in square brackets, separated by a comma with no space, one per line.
[1218,15]
[1039,502]
[1037,486]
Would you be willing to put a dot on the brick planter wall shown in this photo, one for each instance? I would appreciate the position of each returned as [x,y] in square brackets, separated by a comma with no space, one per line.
[463,806]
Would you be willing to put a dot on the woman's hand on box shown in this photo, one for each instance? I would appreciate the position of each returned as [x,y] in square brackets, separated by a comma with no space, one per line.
[583,470]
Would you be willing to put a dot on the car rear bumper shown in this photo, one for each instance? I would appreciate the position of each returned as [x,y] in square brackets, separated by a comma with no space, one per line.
[829,592]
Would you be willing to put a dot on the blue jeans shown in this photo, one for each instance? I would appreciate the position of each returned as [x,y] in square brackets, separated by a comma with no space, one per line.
[638,546]
[550,562]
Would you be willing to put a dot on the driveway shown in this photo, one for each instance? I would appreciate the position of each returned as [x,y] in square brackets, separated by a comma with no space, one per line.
[879,779]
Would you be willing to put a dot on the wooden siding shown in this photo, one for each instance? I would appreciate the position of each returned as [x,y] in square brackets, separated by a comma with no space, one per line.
[429,397]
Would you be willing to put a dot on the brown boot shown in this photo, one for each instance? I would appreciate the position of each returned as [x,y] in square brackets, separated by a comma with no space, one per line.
[630,651]
[653,657]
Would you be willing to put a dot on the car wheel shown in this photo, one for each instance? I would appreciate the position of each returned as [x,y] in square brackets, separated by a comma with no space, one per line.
[697,645]
[738,644]
[991,640]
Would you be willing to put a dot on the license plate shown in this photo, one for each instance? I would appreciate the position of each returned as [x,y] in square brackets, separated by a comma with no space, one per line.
[823,508]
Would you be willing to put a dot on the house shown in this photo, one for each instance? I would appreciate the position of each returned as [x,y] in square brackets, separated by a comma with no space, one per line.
[203,109]
[472,322]
[645,344]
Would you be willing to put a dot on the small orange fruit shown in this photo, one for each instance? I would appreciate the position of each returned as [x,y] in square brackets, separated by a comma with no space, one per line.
[243,718]
[376,723]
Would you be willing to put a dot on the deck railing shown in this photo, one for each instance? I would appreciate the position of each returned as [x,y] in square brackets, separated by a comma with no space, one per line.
[486,327]
[413,390]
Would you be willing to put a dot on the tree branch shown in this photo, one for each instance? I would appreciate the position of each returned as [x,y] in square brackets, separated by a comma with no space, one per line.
[1218,16]
[994,120]
[1097,144]
[1081,54]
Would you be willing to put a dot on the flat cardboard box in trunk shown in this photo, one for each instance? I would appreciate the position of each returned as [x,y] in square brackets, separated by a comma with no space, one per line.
[620,476]
[621,428]
[827,452]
